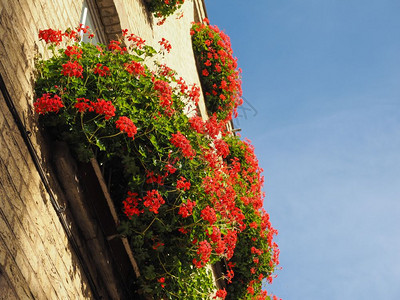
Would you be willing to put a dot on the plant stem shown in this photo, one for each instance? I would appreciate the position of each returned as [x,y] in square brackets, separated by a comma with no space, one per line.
[149,226]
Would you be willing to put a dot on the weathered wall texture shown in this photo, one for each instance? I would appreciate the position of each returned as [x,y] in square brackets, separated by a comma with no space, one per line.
[36,259]
[20,21]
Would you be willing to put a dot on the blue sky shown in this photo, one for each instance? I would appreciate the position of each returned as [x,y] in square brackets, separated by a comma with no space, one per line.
[324,79]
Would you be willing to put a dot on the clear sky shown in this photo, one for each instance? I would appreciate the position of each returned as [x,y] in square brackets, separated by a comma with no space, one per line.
[322,82]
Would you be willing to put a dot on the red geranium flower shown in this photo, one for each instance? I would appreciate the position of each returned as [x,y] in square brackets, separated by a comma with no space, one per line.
[186,209]
[72,69]
[131,205]
[221,294]
[73,51]
[126,125]
[180,141]
[137,41]
[209,215]
[103,107]
[165,44]
[47,103]
[101,70]
[183,184]
[135,68]
[153,200]
[51,36]
[84,104]
[162,281]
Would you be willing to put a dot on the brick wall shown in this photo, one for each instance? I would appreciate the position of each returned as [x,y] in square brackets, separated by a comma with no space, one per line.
[36,258]
[36,261]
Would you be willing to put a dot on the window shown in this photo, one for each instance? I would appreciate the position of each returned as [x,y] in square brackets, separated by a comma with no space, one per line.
[90,17]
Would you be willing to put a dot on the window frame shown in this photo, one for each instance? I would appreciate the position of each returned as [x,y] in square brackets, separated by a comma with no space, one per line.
[90,14]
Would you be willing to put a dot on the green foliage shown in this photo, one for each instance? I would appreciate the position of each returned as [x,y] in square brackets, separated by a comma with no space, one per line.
[219,75]
[164,8]
[181,205]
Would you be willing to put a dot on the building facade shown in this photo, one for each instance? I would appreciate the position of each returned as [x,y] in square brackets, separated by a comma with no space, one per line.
[53,244]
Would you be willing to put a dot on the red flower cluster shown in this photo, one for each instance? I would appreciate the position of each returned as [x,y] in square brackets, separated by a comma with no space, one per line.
[162,281]
[165,94]
[222,147]
[253,225]
[204,251]
[217,241]
[220,76]
[47,103]
[208,214]
[51,36]
[213,161]
[101,70]
[131,204]
[254,250]
[230,240]
[73,52]
[170,168]
[81,28]
[83,104]
[165,44]
[126,125]
[157,245]
[151,178]
[183,230]
[72,69]
[116,47]
[153,201]
[137,42]
[186,209]
[183,86]
[162,21]
[135,68]
[180,141]
[197,124]
[213,126]
[230,274]
[166,71]
[194,93]
[103,107]
[220,294]
[183,184]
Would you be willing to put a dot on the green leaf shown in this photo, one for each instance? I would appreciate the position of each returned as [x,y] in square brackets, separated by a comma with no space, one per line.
[100,144]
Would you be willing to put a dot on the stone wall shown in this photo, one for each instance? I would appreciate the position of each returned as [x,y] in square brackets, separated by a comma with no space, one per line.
[36,258]
[36,261]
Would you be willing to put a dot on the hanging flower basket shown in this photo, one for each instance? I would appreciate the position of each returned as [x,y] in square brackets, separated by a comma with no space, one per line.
[188,193]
